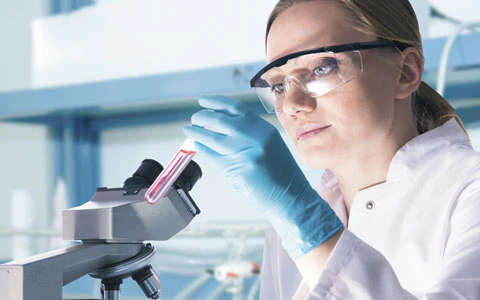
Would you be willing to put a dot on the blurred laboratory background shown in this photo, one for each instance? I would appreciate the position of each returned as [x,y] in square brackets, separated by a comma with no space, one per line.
[90,88]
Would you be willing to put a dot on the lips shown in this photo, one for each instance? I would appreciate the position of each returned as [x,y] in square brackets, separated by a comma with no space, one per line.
[310,130]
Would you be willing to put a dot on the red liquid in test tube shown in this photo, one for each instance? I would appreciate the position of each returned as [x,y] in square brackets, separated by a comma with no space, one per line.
[174,168]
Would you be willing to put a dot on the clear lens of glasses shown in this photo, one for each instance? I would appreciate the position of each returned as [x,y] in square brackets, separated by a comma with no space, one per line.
[314,74]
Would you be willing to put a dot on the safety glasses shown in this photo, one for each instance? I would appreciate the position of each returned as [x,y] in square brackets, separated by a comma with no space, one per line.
[315,72]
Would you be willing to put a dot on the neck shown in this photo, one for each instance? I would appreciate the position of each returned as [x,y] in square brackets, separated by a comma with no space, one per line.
[368,168]
[356,175]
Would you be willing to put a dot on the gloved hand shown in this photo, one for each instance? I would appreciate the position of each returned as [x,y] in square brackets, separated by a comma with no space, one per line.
[259,165]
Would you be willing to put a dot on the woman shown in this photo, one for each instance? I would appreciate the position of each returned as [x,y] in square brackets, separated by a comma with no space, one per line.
[397,215]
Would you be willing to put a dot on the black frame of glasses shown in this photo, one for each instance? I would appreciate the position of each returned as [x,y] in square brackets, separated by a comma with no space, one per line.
[335,49]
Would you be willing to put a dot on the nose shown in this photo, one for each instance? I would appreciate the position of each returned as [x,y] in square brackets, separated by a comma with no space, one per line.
[297,99]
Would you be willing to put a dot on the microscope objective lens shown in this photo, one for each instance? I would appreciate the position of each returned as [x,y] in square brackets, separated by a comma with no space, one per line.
[174,168]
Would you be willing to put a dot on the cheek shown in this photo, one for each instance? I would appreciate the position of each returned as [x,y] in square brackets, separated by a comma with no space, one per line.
[350,111]
[377,86]
[367,103]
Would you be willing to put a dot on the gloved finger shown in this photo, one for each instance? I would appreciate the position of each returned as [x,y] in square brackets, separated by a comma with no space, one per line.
[220,143]
[221,103]
[209,152]
[216,121]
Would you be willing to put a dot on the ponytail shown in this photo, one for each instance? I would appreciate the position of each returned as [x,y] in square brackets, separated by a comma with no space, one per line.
[431,110]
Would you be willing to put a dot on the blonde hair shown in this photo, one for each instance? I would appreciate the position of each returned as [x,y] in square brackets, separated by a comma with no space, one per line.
[393,20]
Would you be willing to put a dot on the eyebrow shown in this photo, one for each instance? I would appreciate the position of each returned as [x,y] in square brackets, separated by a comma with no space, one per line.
[310,61]
[275,77]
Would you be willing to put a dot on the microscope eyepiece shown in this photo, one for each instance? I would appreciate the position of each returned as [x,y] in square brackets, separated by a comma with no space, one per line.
[149,171]
[146,174]
[190,175]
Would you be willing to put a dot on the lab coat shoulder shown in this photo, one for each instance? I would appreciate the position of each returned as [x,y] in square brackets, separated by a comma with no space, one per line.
[465,208]
[464,172]
[460,174]
[356,270]
[460,274]
[456,170]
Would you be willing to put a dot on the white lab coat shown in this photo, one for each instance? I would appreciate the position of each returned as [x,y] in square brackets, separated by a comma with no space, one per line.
[416,236]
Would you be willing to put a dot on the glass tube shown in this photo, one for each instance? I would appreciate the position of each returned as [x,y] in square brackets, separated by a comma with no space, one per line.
[174,168]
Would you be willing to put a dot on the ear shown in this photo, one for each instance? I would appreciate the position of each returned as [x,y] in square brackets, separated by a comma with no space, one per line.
[412,71]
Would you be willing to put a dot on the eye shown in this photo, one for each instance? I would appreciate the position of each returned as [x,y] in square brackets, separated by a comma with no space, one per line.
[325,68]
[278,88]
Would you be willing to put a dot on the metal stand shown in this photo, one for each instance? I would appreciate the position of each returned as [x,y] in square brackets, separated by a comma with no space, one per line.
[112,227]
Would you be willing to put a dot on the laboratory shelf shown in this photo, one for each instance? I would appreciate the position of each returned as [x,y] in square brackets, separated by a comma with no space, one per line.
[175,91]
[130,95]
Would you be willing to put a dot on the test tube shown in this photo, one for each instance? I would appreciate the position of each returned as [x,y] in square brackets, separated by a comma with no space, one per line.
[174,168]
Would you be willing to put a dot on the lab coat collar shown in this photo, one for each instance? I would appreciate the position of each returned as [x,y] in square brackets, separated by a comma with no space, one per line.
[417,150]
[413,153]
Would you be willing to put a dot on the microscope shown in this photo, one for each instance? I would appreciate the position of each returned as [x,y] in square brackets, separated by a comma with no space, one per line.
[112,227]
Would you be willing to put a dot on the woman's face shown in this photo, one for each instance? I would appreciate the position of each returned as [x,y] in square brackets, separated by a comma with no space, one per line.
[351,121]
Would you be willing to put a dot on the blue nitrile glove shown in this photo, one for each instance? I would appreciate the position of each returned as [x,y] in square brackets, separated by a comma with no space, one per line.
[259,165]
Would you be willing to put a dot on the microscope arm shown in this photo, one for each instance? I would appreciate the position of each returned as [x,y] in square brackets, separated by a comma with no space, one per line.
[43,276]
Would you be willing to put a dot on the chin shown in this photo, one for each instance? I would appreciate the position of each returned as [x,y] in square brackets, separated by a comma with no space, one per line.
[318,158]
